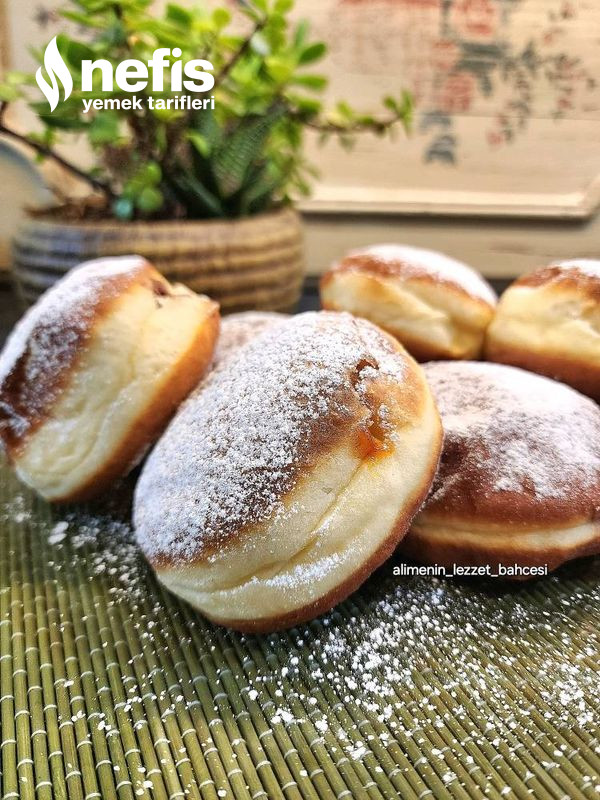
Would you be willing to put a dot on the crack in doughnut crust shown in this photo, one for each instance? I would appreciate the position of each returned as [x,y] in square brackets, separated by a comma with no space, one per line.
[549,322]
[436,306]
[94,370]
[519,478]
[291,474]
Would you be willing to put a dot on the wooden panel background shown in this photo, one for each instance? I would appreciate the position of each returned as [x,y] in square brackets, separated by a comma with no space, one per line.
[508,105]
[503,166]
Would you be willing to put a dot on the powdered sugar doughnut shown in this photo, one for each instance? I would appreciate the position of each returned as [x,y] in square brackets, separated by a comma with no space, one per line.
[436,306]
[549,322]
[93,371]
[239,329]
[291,474]
[519,479]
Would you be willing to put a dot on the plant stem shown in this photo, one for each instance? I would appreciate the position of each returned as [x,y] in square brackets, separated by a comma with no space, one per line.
[49,153]
[241,51]
[375,126]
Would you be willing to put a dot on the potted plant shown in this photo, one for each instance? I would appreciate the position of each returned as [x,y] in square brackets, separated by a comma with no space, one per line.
[205,193]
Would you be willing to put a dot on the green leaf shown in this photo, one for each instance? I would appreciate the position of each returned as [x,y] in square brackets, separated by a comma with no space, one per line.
[147,176]
[149,200]
[75,52]
[84,19]
[104,128]
[407,107]
[115,36]
[165,33]
[64,123]
[242,148]
[9,93]
[150,174]
[197,199]
[316,83]
[402,108]
[167,115]
[308,106]
[391,103]
[200,142]
[221,17]
[345,110]
[179,15]
[260,192]
[206,125]
[314,52]
[17,78]
[280,69]
[301,33]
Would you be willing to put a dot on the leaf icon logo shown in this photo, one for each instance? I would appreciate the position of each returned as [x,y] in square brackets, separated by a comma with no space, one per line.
[56,68]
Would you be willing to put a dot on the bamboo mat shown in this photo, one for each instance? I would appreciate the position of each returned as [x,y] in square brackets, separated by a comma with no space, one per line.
[414,688]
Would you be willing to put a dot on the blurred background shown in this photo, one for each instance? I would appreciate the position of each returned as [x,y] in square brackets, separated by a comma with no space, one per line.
[502,168]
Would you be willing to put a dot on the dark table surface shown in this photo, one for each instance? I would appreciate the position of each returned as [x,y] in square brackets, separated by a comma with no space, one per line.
[10,311]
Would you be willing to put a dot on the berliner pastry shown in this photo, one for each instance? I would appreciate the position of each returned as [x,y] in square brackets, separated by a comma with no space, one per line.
[239,329]
[436,306]
[92,373]
[549,322]
[519,480]
[286,479]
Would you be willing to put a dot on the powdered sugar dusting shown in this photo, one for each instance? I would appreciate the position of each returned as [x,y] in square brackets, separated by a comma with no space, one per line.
[417,260]
[239,329]
[236,446]
[587,266]
[70,296]
[517,431]
[49,333]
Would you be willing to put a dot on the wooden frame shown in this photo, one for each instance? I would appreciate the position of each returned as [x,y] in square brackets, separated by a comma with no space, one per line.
[508,107]
[580,206]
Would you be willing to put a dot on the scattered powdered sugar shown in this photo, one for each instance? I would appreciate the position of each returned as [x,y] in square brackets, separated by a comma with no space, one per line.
[238,443]
[448,670]
[587,266]
[48,336]
[464,685]
[516,431]
[417,260]
[58,532]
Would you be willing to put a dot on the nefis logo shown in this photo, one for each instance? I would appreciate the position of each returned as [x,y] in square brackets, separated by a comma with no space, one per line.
[56,69]
[131,76]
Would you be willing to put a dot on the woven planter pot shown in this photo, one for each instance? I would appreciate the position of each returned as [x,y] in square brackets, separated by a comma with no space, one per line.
[253,263]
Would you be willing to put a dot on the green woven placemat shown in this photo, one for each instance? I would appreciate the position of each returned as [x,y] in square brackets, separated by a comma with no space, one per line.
[111,688]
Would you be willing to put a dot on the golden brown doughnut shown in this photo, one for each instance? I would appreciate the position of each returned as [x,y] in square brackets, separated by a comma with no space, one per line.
[519,478]
[549,322]
[94,370]
[287,478]
[436,306]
